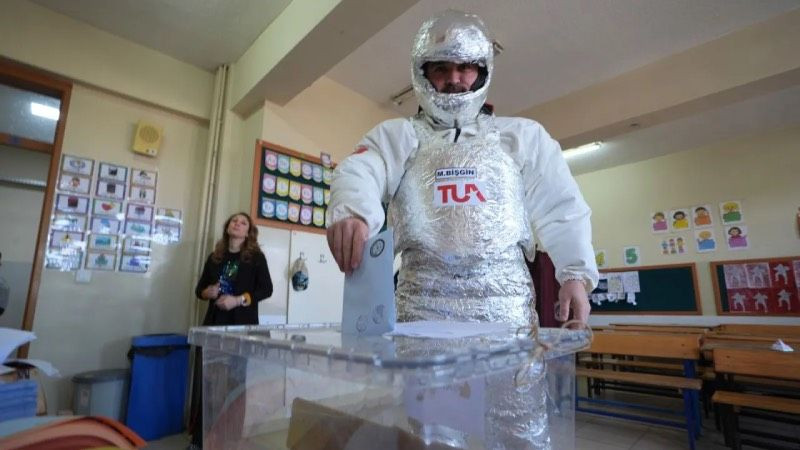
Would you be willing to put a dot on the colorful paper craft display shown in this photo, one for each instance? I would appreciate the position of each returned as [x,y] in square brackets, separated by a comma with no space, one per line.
[700,221]
[93,220]
[758,287]
[291,187]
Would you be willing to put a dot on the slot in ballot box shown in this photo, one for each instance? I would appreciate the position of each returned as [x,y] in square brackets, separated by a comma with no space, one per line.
[306,387]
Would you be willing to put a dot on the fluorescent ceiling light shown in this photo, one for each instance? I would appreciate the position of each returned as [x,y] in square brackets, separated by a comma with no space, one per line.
[582,150]
[48,112]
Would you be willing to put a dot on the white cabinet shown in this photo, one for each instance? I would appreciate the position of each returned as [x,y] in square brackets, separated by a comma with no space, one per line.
[322,301]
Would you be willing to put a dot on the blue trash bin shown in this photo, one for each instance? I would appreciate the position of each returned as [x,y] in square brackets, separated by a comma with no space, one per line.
[159,371]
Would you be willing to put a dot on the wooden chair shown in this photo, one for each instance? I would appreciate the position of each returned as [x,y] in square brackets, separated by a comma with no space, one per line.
[731,364]
[684,347]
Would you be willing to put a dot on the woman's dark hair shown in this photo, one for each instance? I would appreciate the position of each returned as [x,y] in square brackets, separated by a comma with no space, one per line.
[734,228]
[249,246]
[682,214]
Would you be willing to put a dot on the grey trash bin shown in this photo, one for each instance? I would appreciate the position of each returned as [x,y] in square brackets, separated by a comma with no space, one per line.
[101,393]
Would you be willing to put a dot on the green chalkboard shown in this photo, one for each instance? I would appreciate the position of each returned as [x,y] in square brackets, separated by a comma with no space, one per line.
[667,289]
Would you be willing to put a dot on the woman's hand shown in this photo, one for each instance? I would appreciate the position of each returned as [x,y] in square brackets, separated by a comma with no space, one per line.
[228,302]
[211,292]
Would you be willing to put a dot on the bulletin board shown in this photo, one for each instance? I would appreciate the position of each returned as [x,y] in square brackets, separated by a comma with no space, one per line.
[291,190]
[757,287]
[664,289]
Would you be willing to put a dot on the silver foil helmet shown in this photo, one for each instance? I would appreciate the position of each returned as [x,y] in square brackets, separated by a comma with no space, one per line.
[458,37]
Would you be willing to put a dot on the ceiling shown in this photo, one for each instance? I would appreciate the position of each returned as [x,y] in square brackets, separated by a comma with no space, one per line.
[204,33]
[552,48]
[758,114]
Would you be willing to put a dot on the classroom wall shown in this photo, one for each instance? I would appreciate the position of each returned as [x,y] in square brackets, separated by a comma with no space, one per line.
[761,171]
[325,117]
[43,38]
[18,240]
[82,327]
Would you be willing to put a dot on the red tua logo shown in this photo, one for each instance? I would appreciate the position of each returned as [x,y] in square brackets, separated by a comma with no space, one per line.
[458,192]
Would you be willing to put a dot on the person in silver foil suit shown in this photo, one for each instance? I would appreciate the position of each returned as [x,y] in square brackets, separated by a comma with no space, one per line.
[467,192]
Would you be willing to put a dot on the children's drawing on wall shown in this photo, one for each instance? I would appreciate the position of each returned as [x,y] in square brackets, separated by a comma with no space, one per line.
[731,212]
[680,219]
[785,300]
[780,274]
[658,222]
[738,302]
[705,241]
[673,245]
[701,216]
[796,267]
[600,258]
[758,275]
[760,302]
[681,244]
[735,276]
[631,256]
[737,237]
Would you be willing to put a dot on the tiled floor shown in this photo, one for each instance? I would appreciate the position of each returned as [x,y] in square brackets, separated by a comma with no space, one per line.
[602,433]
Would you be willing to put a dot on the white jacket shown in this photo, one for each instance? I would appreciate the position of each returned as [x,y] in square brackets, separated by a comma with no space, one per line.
[555,208]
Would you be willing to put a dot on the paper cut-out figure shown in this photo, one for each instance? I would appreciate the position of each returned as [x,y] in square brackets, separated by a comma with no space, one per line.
[785,297]
[781,271]
[758,276]
[664,247]
[705,242]
[681,247]
[631,256]
[600,259]
[761,300]
[736,239]
[659,222]
[738,301]
[701,216]
[672,249]
[680,222]
[731,212]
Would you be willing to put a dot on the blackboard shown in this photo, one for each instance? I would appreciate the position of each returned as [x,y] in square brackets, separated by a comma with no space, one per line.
[773,281]
[666,289]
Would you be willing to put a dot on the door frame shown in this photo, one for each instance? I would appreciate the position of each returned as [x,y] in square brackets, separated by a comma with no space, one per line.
[29,78]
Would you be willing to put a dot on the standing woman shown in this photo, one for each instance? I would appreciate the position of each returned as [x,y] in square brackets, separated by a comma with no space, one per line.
[235,278]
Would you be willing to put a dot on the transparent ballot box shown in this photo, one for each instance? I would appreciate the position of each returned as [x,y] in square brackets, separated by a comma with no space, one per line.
[310,387]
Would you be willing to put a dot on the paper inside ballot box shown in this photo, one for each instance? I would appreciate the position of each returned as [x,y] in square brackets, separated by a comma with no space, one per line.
[316,427]
[368,305]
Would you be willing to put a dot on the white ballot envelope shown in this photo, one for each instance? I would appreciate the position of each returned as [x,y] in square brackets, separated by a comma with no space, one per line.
[368,308]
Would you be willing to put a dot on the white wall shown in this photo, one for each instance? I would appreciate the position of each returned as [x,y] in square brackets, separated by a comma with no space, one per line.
[761,171]
[19,225]
[43,38]
[84,327]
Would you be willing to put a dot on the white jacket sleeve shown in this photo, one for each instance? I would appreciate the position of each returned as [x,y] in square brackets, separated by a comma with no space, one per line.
[370,177]
[556,209]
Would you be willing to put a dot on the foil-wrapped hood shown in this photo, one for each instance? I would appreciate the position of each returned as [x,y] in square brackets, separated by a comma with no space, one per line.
[458,37]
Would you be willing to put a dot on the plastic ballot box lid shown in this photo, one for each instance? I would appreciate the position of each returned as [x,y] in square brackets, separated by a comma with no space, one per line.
[323,349]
